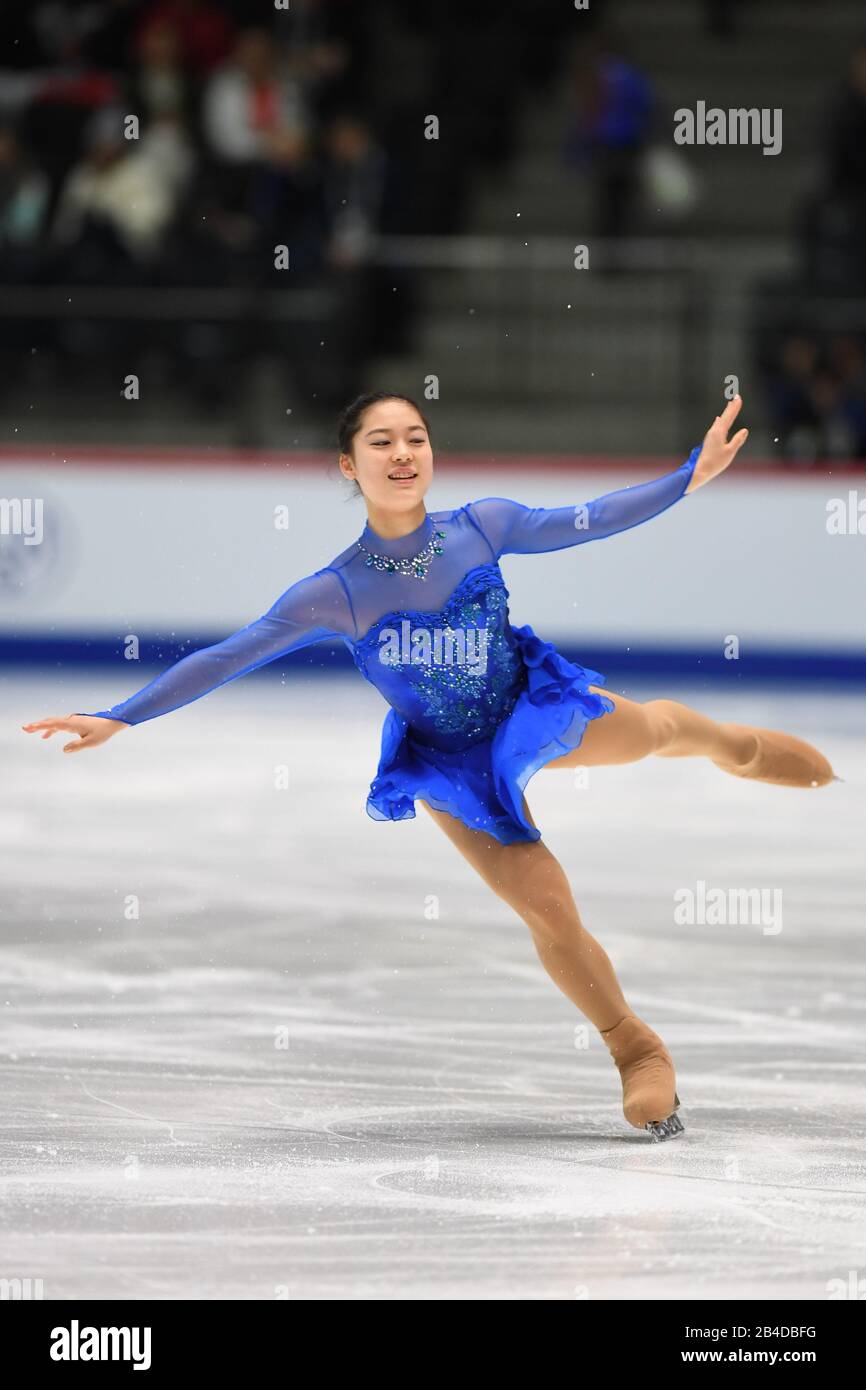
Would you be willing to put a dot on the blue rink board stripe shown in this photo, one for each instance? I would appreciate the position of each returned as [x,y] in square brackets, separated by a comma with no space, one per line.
[695,663]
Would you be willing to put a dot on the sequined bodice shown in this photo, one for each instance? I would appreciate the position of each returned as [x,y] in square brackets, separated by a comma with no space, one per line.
[454,673]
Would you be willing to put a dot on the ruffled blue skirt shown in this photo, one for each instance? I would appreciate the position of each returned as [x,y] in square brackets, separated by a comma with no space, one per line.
[483,785]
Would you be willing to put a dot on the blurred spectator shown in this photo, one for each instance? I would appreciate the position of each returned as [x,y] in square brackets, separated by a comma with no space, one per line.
[354,189]
[846,144]
[833,434]
[109,43]
[818,397]
[790,388]
[847,360]
[252,100]
[317,53]
[160,85]
[23,194]
[120,197]
[64,31]
[263,184]
[610,128]
[375,300]
[833,227]
[284,201]
[816,379]
[205,31]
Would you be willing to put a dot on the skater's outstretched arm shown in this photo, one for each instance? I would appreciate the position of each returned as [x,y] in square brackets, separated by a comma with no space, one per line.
[313,609]
[514,529]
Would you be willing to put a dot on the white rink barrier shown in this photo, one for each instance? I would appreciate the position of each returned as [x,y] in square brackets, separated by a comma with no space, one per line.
[764,567]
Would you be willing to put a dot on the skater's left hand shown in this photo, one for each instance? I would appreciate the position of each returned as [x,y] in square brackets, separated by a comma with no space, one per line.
[717,453]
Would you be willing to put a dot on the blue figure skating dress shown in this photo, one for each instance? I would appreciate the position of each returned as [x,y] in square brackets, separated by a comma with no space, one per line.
[477,706]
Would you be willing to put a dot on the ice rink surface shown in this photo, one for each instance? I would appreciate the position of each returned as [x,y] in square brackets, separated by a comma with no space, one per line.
[256,1045]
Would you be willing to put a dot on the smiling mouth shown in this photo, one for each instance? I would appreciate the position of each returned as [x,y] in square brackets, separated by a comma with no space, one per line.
[402,477]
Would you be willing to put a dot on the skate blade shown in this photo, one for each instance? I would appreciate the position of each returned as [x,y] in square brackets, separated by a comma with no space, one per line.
[665,1129]
[669,1128]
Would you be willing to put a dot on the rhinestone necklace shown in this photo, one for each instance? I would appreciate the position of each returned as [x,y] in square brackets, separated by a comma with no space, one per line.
[416,565]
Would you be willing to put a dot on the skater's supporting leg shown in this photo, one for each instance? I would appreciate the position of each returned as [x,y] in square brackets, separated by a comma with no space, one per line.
[528,877]
[532,881]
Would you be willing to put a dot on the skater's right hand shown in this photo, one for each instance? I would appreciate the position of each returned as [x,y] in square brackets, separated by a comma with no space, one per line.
[93,729]
[717,451]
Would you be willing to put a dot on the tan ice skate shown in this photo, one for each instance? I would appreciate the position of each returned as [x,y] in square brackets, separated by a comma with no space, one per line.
[782,760]
[649,1097]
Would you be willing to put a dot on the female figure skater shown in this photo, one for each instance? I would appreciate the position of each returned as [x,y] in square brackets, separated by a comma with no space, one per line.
[464,736]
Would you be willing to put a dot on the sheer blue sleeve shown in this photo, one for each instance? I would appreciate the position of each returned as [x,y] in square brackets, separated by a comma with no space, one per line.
[313,609]
[513,529]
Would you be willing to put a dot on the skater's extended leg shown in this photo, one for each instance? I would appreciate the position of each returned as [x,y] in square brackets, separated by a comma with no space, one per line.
[533,882]
[670,729]
[666,728]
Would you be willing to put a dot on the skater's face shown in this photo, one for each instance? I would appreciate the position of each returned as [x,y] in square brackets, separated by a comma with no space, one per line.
[391,458]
